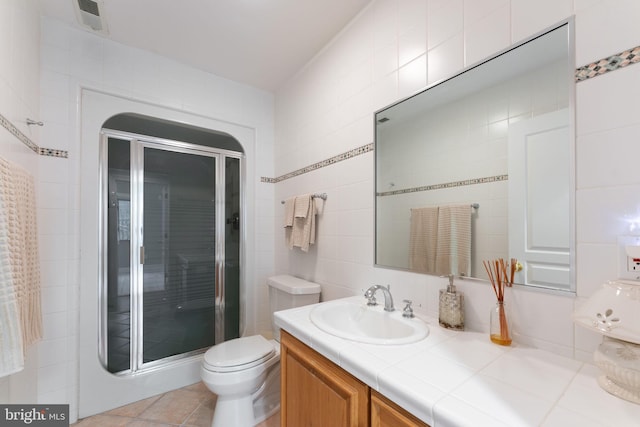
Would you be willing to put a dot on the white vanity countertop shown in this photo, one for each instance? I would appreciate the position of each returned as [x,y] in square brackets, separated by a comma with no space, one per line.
[463,379]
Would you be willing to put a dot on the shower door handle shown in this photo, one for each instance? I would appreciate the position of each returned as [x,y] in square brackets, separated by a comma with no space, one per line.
[141,254]
[218,287]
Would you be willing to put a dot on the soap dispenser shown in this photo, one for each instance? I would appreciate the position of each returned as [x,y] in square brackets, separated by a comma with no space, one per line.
[451,312]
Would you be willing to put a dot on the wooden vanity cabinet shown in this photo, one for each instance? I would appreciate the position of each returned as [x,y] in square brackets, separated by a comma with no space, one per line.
[317,392]
[385,413]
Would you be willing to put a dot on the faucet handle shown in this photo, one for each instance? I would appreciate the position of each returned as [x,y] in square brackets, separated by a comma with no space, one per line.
[407,311]
[370,295]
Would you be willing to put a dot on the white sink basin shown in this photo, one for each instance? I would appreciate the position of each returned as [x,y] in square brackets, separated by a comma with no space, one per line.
[355,321]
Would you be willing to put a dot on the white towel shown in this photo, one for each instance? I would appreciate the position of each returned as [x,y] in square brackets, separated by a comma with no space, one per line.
[288,211]
[454,240]
[302,206]
[303,231]
[423,239]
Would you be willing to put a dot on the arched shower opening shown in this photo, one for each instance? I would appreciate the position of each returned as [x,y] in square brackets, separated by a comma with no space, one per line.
[142,326]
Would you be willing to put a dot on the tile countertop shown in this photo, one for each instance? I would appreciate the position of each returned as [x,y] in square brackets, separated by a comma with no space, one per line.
[459,379]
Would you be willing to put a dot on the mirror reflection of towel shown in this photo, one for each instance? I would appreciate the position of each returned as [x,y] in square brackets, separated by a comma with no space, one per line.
[423,240]
[454,240]
[440,240]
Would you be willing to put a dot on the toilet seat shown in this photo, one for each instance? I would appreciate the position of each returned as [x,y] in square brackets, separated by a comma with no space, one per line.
[238,354]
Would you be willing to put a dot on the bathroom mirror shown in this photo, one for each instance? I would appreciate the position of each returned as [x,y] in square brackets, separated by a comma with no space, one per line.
[480,167]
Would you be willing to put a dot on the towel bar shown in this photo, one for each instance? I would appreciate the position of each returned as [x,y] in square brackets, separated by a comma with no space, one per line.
[322,196]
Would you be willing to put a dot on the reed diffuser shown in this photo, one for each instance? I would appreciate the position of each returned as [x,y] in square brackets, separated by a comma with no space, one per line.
[501,275]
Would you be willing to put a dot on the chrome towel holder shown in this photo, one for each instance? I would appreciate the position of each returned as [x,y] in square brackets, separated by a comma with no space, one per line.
[322,196]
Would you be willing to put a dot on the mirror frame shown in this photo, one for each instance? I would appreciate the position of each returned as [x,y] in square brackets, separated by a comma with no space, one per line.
[570,25]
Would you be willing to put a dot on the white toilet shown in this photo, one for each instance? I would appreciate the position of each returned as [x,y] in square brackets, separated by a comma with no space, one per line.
[245,372]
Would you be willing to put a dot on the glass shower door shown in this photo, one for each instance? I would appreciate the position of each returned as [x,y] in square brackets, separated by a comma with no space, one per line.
[178,293]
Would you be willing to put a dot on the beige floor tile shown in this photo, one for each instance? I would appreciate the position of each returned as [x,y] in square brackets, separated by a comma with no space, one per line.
[191,406]
[201,417]
[173,407]
[103,421]
[273,421]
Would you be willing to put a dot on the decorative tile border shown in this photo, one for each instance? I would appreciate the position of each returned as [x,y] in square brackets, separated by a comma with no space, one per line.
[52,152]
[612,63]
[28,142]
[471,181]
[328,162]
[16,132]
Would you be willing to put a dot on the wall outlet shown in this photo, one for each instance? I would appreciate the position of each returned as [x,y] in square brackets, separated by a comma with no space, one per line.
[629,256]
[633,264]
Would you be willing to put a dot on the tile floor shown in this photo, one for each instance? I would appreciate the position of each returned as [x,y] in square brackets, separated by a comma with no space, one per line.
[190,406]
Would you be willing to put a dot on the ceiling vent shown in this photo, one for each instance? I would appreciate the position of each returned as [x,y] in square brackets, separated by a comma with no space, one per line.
[90,14]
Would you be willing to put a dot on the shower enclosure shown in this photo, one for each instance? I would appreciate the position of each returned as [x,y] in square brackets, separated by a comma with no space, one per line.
[170,275]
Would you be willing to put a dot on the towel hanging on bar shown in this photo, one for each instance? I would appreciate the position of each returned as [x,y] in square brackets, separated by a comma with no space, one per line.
[300,221]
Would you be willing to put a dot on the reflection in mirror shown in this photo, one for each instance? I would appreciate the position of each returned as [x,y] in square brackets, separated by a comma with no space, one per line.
[480,167]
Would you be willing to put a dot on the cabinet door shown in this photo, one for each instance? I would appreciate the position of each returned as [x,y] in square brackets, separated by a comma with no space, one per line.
[317,392]
[385,413]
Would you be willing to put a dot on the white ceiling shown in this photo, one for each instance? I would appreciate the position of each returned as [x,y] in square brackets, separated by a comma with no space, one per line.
[261,43]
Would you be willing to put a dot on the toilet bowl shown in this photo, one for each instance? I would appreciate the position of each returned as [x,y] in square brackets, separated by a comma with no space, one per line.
[236,370]
[245,372]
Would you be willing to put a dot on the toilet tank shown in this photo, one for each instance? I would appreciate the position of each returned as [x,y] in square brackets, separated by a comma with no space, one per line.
[290,292]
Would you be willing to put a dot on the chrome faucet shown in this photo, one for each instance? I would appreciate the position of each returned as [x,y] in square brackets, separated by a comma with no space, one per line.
[388,299]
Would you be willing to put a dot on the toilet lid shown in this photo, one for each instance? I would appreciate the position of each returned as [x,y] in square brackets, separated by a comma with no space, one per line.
[239,353]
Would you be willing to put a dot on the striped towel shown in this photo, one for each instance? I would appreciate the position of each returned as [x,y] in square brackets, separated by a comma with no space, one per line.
[423,239]
[454,240]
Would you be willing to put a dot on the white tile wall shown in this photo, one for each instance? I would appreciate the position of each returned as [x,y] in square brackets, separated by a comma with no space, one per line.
[486,35]
[459,33]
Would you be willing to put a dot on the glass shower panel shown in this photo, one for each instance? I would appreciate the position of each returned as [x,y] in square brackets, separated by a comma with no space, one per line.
[232,248]
[118,238]
[179,280]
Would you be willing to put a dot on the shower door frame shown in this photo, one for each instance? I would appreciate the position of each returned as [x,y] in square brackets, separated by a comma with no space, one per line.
[138,143]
